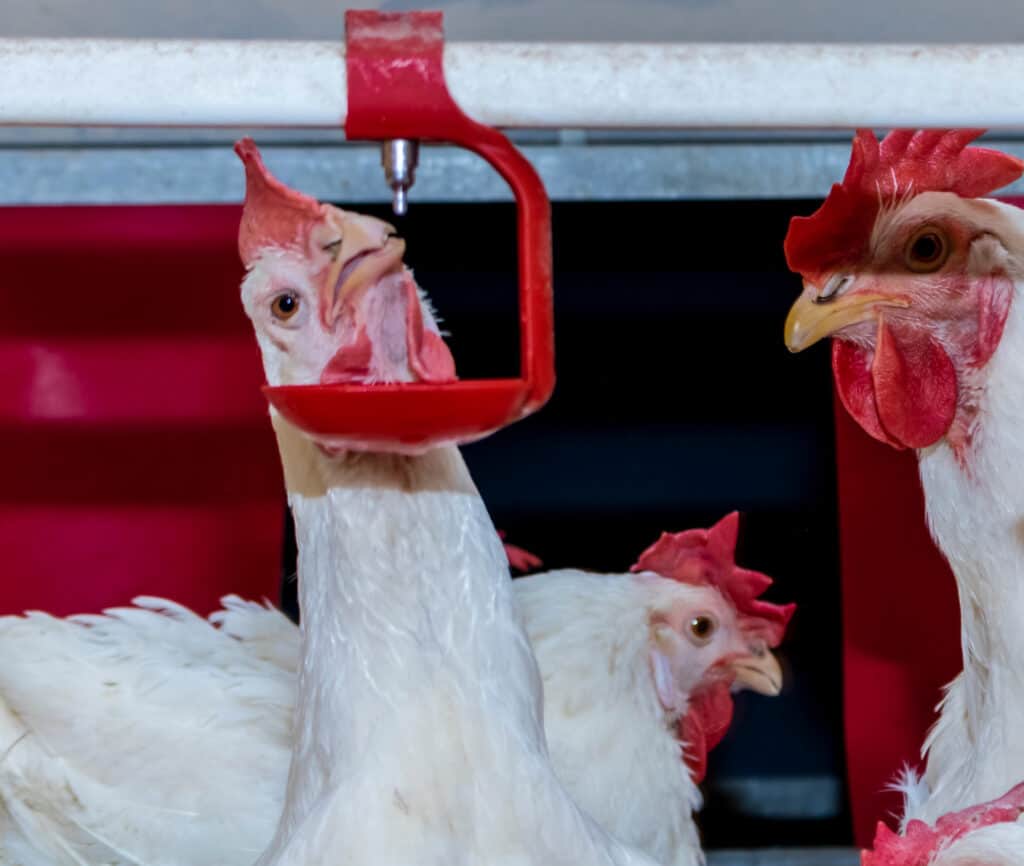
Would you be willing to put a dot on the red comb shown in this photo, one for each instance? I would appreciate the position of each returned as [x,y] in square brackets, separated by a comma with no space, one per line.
[920,842]
[904,164]
[273,214]
[706,557]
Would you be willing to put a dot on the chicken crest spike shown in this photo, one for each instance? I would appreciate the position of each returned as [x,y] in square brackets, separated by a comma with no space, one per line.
[920,842]
[904,164]
[707,557]
[273,213]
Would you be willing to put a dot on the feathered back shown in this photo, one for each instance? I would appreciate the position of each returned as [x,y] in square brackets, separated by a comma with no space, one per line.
[273,214]
[906,163]
[706,557]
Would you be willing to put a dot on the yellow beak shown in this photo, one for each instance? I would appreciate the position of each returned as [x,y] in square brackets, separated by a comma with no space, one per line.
[361,261]
[810,320]
[372,267]
[761,673]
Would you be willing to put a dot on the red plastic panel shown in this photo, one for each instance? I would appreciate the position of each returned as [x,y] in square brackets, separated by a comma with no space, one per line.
[901,619]
[135,450]
[130,381]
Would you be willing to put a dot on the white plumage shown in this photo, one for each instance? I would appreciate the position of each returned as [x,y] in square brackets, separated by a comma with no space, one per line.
[976,749]
[156,688]
[140,737]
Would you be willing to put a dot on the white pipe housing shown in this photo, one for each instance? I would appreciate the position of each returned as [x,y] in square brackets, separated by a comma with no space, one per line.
[302,84]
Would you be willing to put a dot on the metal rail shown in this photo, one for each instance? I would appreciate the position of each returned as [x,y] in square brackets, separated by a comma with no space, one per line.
[153,172]
[302,84]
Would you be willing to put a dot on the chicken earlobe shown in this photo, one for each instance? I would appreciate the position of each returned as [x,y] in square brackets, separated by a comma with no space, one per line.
[670,696]
[995,293]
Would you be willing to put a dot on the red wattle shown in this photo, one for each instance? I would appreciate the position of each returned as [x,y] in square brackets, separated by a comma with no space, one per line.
[915,385]
[429,356]
[851,366]
[705,724]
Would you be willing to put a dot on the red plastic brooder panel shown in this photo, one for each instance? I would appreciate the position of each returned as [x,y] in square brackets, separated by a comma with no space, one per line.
[136,455]
[901,620]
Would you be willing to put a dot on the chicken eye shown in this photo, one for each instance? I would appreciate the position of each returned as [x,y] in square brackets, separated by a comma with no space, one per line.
[926,251]
[284,306]
[702,627]
[835,284]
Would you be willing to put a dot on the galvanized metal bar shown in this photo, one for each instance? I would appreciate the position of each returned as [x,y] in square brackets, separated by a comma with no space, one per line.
[257,84]
[351,174]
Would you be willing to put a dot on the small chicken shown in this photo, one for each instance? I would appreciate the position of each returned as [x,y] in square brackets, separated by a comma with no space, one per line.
[637,670]
[916,278]
[987,835]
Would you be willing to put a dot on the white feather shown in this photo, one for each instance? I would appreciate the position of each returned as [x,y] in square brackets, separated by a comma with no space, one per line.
[914,790]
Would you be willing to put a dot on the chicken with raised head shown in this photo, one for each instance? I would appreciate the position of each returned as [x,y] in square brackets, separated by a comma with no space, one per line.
[417,734]
[916,277]
[986,835]
[412,732]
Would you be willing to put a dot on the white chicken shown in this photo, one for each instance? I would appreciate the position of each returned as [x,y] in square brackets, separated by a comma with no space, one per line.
[615,735]
[917,278]
[417,696]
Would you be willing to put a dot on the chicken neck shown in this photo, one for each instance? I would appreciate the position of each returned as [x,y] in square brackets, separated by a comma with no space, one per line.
[975,509]
[418,732]
[405,596]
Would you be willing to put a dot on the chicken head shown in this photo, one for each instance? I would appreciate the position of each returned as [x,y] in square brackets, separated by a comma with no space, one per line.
[913,274]
[327,291]
[711,636]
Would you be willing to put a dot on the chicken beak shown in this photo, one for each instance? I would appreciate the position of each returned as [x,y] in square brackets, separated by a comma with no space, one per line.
[759,671]
[811,319]
[361,245]
[374,266]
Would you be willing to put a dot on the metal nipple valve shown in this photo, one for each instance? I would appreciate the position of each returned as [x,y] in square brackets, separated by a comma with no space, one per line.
[399,157]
